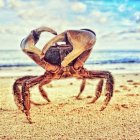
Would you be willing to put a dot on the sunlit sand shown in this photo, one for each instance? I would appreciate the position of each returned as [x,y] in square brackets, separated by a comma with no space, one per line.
[68,118]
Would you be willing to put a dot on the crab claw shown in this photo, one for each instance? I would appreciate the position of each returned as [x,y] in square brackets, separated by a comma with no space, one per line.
[36,32]
[45,29]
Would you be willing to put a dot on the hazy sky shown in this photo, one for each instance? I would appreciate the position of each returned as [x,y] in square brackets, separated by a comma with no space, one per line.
[116,22]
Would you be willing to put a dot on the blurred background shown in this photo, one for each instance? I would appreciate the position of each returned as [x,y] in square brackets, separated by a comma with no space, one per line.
[116,23]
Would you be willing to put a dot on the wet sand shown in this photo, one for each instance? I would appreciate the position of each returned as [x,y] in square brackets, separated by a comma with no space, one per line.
[66,118]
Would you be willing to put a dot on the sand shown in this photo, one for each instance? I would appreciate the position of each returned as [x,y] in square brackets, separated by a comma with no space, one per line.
[66,118]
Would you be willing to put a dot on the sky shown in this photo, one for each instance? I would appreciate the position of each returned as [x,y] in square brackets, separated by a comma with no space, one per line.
[116,22]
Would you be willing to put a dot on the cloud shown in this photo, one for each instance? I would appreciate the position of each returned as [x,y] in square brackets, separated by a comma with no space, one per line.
[78,7]
[122,8]
[130,31]
[17,4]
[137,17]
[100,17]
[107,19]
[2,4]
[126,22]
[122,35]
[32,14]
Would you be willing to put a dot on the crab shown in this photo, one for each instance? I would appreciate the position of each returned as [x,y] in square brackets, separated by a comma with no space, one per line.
[60,61]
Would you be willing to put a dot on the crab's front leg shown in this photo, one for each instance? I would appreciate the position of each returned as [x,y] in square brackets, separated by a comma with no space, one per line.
[26,94]
[17,90]
[41,80]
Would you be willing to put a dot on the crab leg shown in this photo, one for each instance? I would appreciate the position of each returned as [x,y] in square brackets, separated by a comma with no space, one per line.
[17,91]
[18,95]
[82,87]
[109,85]
[42,91]
[98,91]
[26,94]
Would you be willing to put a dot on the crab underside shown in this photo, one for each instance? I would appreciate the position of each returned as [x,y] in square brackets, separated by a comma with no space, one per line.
[54,57]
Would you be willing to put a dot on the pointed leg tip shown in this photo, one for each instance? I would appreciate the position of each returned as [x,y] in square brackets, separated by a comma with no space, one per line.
[89,102]
[29,120]
[49,101]
[102,108]
[78,98]
[92,101]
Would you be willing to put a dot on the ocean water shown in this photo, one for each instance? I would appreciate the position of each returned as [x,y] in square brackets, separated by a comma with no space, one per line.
[113,60]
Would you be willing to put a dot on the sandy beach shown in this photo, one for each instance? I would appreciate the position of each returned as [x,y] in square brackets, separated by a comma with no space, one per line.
[66,118]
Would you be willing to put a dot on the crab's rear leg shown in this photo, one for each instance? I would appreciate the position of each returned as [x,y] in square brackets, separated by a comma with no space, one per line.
[109,89]
[109,85]
[98,91]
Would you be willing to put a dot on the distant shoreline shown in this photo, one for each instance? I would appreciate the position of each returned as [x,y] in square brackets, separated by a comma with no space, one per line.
[16,58]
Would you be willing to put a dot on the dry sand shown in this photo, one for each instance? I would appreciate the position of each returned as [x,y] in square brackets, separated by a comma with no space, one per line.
[66,118]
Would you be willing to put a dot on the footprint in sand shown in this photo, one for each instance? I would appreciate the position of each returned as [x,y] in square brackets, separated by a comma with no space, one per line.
[129,81]
[117,90]
[89,96]
[136,84]
[124,105]
[118,107]
[71,83]
[122,86]
[125,87]
[132,95]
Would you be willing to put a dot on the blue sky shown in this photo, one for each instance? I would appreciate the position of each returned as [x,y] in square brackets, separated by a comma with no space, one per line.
[116,22]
